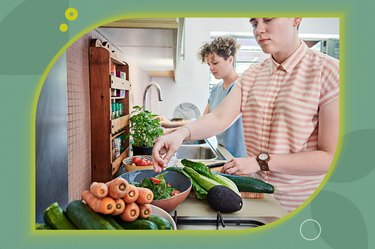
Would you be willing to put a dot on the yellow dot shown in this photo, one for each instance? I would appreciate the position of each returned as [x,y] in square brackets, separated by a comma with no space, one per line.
[64,27]
[71,14]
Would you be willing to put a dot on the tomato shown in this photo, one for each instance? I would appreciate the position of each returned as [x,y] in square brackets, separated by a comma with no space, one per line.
[175,192]
[136,160]
[169,185]
[154,180]
[142,162]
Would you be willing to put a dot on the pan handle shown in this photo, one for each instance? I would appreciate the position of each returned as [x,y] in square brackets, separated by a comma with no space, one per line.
[216,165]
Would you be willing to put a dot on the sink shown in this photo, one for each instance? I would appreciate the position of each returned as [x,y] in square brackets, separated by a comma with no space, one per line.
[202,141]
[196,152]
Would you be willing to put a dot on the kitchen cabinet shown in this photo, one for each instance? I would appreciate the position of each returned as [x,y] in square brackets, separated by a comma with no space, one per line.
[109,110]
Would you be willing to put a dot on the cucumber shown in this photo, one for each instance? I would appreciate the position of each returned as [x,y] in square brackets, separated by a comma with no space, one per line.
[112,221]
[55,218]
[249,184]
[85,218]
[42,226]
[139,224]
[161,223]
[205,182]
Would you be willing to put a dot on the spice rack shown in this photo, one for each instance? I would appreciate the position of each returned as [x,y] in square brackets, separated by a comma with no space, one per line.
[109,108]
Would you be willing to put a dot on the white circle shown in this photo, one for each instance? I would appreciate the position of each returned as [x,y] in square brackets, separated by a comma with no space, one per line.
[310,220]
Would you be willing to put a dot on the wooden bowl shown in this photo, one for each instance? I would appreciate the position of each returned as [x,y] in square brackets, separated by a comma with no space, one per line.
[129,160]
[177,180]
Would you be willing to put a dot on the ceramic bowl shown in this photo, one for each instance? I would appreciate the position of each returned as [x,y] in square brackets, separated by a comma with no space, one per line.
[129,160]
[162,213]
[177,180]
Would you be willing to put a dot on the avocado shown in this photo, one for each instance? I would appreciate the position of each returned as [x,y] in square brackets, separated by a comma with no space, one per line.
[223,199]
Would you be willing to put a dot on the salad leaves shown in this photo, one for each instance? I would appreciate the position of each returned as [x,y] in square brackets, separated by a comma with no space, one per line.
[159,186]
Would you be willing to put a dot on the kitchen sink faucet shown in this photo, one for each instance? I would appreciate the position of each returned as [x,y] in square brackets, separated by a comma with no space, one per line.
[145,93]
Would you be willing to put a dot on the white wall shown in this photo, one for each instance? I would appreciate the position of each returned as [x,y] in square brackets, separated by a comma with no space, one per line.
[192,77]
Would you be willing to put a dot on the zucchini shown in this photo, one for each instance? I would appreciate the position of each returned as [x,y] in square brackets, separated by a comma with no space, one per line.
[249,184]
[85,218]
[161,223]
[205,182]
[139,224]
[55,218]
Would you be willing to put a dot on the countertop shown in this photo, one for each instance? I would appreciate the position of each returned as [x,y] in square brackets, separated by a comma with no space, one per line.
[265,210]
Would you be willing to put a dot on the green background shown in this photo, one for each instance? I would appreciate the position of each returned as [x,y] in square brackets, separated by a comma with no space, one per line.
[29,45]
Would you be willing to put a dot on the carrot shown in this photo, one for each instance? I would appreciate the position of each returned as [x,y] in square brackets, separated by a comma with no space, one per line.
[132,194]
[145,196]
[120,207]
[144,211]
[130,213]
[99,189]
[105,206]
[117,188]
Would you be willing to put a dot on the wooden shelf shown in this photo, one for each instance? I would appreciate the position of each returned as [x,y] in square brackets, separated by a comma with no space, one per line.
[118,83]
[103,129]
[119,124]
[117,163]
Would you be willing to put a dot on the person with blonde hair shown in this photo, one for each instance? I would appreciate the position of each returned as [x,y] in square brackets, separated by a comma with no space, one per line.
[290,111]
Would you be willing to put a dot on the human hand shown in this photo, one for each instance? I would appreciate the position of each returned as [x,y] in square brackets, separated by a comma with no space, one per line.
[163,121]
[241,166]
[164,148]
[169,130]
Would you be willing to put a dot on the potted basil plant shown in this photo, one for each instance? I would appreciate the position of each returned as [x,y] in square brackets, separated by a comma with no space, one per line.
[144,129]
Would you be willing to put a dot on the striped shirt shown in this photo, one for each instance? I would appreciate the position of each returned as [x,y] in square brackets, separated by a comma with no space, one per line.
[280,110]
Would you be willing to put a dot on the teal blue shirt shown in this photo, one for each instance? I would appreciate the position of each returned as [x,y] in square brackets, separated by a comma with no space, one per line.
[232,138]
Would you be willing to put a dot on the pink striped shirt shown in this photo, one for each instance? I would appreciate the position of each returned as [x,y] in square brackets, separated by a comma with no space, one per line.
[280,108]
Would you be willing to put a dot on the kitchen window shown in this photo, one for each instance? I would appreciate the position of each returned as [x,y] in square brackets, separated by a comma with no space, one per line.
[250,52]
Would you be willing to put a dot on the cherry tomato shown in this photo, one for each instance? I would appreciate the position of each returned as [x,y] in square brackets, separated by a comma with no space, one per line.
[136,160]
[175,192]
[154,180]
[169,185]
[142,162]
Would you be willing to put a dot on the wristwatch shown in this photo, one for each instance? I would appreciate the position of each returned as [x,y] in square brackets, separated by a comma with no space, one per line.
[262,160]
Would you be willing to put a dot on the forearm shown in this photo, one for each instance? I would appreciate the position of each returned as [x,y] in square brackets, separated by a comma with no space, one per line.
[174,124]
[303,163]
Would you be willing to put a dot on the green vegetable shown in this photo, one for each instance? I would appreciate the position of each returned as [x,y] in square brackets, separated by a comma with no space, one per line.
[205,182]
[55,218]
[162,223]
[112,221]
[85,218]
[249,184]
[225,182]
[139,224]
[42,226]
[198,167]
[161,190]
[200,193]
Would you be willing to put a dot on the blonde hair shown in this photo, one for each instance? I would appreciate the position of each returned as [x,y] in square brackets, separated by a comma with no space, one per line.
[223,46]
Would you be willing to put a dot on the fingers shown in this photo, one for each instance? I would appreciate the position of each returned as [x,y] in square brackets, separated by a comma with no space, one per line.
[157,151]
[226,168]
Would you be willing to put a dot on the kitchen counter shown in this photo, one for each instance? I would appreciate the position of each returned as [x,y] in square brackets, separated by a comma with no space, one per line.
[263,210]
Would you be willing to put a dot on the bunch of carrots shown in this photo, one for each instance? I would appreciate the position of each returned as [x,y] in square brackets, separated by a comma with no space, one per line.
[118,197]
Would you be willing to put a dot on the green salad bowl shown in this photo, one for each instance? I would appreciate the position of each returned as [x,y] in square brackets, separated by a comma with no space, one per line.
[177,180]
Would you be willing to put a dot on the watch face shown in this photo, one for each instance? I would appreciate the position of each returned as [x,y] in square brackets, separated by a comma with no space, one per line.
[263,156]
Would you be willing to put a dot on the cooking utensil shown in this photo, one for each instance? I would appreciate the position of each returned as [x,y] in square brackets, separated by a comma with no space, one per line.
[216,165]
